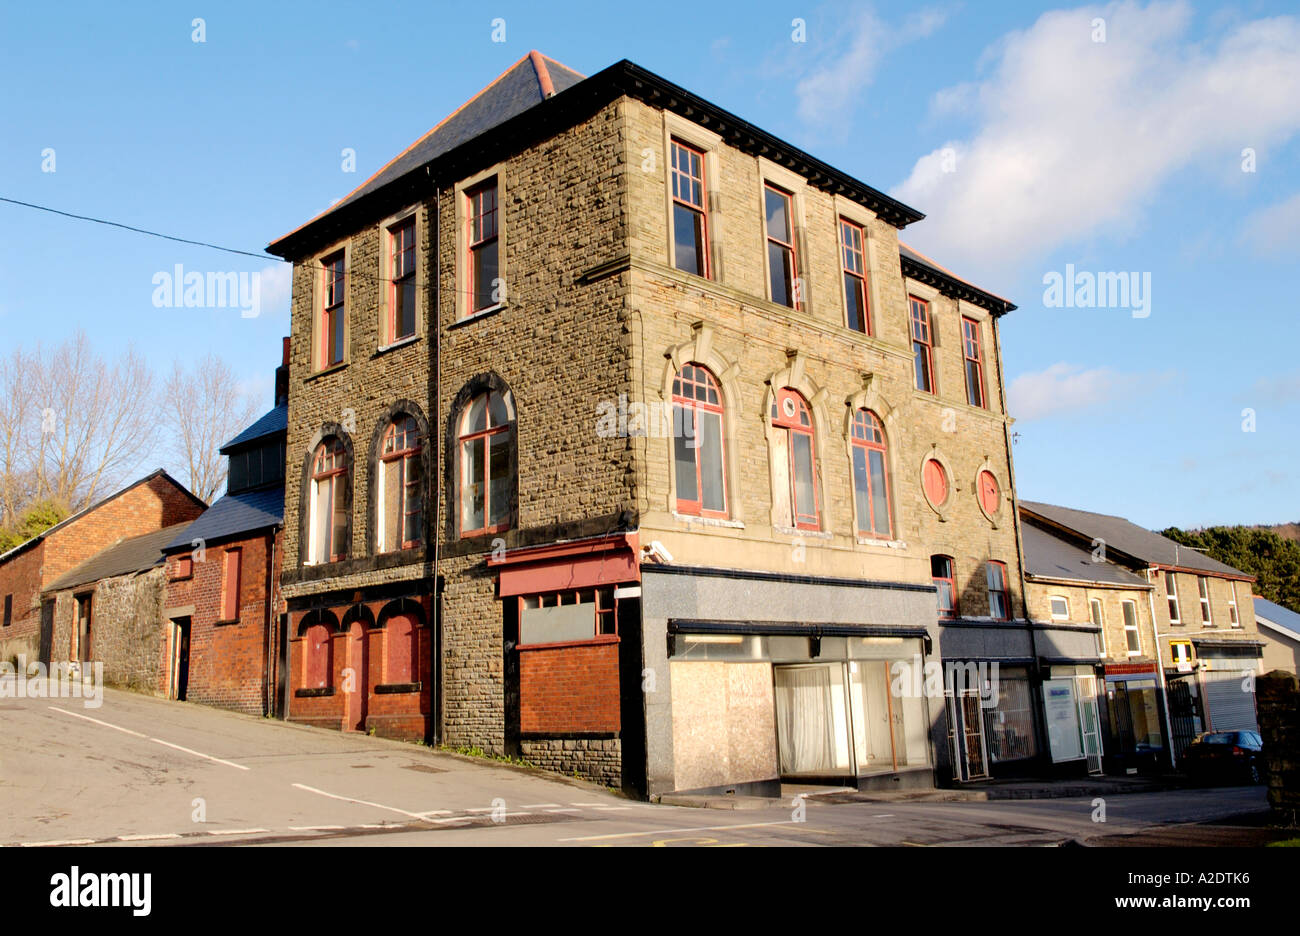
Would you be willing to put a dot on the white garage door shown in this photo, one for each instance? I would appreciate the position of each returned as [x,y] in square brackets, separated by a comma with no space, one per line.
[1231,708]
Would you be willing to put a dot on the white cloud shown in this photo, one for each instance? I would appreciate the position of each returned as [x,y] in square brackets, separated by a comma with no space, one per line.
[1275,229]
[1064,388]
[1074,136]
[276,287]
[846,68]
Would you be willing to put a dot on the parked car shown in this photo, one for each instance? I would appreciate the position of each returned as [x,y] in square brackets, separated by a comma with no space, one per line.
[1234,756]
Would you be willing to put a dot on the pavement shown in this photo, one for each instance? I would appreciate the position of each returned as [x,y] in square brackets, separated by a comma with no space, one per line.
[145,771]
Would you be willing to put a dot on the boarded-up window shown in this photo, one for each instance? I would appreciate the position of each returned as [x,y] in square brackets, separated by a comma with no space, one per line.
[231,585]
[403,649]
[318,657]
[567,616]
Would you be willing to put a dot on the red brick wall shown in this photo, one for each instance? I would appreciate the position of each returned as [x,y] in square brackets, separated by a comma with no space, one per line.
[148,507]
[228,662]
[21,577]
[569,688]
[355,705]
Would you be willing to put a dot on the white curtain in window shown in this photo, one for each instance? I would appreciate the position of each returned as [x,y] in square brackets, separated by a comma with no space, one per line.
[803,715]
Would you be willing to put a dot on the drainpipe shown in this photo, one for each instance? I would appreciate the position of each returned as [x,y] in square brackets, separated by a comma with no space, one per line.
[435,603]
[1160,668]
[270,627]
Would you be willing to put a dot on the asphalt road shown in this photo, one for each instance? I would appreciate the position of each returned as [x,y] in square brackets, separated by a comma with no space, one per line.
[140,770]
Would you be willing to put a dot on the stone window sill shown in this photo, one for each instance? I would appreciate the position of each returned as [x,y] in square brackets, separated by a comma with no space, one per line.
[480,314]
[332,369]
[400,343]
[795,531]
[887,544]
[709,521]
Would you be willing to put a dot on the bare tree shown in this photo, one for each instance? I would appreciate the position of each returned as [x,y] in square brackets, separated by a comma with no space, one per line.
[204,409]
[17,479]
[96,420]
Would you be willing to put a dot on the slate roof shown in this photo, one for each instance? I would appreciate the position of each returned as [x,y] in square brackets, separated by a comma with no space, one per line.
[1131,539]
[95,506]
[1276,614]
[526,83]
[1048,556]
[518,103]
[920,267]
[232,515]
[269,423]
[126,557]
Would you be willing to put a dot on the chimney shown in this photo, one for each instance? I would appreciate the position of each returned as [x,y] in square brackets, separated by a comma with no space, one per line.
[282,377]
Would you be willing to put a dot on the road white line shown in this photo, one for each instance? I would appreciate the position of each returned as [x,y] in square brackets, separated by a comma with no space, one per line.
[217,760]
[436,812]
[586,804]
[361,802]
[316,828]
[610,808]
[148,837]
[539,806]
[98,722]
[56,843]
[236,831]
[887,815]
[481,809]
[721,828]
[564,809]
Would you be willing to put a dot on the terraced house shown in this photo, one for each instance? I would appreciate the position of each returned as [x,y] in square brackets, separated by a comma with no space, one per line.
[627,437]
[1204,649]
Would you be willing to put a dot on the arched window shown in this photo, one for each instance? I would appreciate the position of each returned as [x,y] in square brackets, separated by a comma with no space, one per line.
[795,460]
[870,476]
[398,491]
[329,528]
[317,654]
[485,437]
[697,443]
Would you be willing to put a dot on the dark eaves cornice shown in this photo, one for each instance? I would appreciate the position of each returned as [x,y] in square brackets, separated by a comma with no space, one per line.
[956,288]
[563,110]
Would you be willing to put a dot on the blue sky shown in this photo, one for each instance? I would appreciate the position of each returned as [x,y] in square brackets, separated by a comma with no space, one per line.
[1030,144]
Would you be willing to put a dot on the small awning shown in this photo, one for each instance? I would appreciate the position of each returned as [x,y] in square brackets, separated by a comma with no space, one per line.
[590,563]
[793,629]
[1220,644]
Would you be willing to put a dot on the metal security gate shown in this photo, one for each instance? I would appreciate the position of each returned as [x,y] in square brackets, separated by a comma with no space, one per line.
[966,734]
[1230,699]
[1182,715]
[1089,723]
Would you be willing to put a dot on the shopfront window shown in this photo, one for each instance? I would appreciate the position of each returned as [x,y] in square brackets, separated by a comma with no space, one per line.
[1135,715]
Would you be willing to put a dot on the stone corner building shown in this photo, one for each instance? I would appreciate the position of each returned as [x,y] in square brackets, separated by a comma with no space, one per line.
[629,438]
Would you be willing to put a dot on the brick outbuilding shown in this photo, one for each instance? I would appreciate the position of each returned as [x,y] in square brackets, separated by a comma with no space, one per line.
[155,501]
